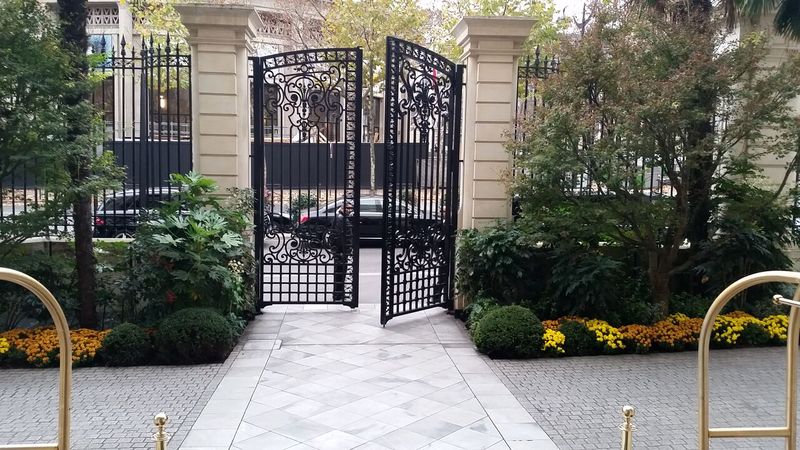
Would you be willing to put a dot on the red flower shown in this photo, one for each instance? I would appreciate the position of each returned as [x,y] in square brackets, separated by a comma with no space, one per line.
[171,296]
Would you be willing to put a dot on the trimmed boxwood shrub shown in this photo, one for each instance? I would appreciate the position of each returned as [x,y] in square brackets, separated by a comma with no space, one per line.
[126,345]
[509,332]
[478,309]
[194,336]
[579,340]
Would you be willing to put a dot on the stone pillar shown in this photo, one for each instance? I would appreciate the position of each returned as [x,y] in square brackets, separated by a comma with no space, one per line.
[220,37]
[778,50]
[492,46]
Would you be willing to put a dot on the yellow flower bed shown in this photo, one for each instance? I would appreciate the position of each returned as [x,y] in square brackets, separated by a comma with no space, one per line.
[553,341]
[607,335]
[4,346]
[40,345]
[777,327]
[675,333]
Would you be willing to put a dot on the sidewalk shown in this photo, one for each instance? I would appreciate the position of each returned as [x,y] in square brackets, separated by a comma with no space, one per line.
[327,377]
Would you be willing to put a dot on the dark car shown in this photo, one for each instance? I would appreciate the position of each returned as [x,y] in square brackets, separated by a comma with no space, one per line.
[277,219]
[315,224]
[117,215]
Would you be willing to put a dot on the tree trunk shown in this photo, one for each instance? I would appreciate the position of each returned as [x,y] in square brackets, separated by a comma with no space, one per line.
[370,124]
[700,165]
[658,274]
[73,15]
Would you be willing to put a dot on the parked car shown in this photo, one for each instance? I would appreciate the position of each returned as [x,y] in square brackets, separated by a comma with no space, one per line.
[277,219]
[117,215]
[314,224]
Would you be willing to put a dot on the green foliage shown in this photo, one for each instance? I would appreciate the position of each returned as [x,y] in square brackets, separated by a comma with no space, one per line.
[579,340]
[583,282]
[755,335]
[476,310]
[648,82]
[126,345]
[237,324]
[509,332]
[498,263]
[37,141]
[56,271]
[753,231]
[690,304]
[301,203]
[55,267]
[194,336]
[193,252]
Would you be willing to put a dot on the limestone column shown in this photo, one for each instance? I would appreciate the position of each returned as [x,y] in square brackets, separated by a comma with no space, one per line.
[220,36]
[778,50]
[492,46]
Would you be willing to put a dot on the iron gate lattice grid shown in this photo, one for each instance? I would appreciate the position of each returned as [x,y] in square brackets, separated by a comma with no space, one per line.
[305,161]
[422,125]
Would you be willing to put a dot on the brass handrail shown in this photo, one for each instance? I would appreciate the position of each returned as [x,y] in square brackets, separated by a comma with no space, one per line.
[789,430]
[65,358]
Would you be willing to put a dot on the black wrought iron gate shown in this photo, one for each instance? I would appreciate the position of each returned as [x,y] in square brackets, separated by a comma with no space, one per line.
[306,156]
[421,137]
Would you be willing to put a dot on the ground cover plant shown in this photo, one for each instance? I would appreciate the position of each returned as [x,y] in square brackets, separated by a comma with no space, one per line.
[515,332]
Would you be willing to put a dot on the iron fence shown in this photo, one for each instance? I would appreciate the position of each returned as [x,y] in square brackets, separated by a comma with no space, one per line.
[144,99]
[651,180]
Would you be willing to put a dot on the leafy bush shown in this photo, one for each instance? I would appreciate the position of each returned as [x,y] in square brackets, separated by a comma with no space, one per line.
[579,339]
[689,304]
[56,271]
[581,282]
[194,336]
[193,252]
[238,324]
[509,332]
[476,310]
[126,345]
[755,334]
[498,263]
[301,203]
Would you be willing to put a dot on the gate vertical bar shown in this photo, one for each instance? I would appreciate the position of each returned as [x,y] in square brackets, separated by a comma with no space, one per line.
[389,173]
[356,152]
[455,192]
[144,132]
[257,168]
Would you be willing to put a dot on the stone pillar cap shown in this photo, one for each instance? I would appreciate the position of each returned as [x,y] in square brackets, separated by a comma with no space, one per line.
[238,14]
[516,29]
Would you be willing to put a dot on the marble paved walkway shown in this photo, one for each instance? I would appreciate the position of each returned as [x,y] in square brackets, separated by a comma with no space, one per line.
[325,377]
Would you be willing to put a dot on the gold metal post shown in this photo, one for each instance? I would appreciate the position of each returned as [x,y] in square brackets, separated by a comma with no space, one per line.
[627,427]
[160,437]
[65,357]
[789,430]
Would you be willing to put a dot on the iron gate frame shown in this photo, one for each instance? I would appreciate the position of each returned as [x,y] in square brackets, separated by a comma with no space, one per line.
[350,62]
[397,51]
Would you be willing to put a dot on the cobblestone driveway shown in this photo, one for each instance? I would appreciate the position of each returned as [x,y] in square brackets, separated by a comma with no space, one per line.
[577,401]
[112,407]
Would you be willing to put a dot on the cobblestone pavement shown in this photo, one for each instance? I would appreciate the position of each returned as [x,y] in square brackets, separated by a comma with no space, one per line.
[112,407]
[577,401]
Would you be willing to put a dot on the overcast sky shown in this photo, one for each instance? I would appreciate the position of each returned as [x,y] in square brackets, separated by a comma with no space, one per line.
[571,7]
